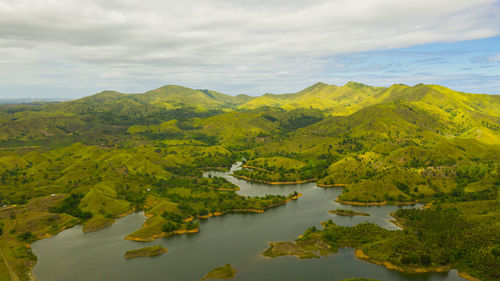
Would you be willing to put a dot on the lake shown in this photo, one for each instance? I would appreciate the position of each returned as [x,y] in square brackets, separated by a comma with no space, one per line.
[237,238]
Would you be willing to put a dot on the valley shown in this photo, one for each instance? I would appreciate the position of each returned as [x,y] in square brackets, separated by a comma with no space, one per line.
[81,167]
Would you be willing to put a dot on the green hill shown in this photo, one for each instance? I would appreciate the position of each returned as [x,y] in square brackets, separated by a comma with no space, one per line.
[167,97]
[351,97]
[94,159]
[337,100]
[106,116]
[172,96]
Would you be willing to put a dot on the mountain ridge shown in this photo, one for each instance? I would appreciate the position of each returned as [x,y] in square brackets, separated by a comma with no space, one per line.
[340,100]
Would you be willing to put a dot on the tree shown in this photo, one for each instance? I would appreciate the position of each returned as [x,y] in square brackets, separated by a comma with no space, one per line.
[192,225]
[169,227]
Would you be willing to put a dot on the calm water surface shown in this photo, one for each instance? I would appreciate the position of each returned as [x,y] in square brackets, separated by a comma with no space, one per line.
[237,238]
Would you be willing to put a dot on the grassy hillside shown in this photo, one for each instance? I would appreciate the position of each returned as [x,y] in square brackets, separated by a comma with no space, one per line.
[396,151]
[92,160]
[337,100]
[347,99]
[167,97]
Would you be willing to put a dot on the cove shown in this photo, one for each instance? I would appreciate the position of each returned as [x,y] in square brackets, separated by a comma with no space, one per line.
[238,239]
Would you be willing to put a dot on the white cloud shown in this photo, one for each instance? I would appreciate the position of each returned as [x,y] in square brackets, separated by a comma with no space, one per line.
[225,44]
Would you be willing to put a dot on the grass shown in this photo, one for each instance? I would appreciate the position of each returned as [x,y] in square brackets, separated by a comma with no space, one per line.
[276,163]
[104,208]
[145,252]
[338,100]
[32,221]
[302,249]
[342,212]
[152,229]
[224,272]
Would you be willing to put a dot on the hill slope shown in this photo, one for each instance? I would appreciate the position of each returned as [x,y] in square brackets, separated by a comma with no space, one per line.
[354,96]
[168,97]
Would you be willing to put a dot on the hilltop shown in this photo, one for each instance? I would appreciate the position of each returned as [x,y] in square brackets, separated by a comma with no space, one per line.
[167,97]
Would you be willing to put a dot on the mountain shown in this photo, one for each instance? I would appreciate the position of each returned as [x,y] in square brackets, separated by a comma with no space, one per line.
[338,100]
[450,112]
[354,96]
[334,100]
[166,97]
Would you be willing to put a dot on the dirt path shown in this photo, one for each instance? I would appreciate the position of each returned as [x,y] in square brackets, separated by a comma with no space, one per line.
[13,275]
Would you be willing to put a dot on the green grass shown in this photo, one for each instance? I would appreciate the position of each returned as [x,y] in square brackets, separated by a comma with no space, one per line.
[342,212]
[145,252]
[224,272]
[33,221]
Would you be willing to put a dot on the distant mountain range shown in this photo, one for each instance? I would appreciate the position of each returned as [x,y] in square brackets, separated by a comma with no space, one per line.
[30,100]
[430,107]
[338,100]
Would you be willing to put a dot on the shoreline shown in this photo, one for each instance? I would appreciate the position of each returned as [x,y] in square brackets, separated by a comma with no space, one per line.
[348,214]
[215,214]
[358,253]
[355,203]
[208,169]
[467,276]
[273,182]
[332,185]
[161,235]
[185,231]
[145,252]
[383,203]
[396,221]
[338,200]
[107,223]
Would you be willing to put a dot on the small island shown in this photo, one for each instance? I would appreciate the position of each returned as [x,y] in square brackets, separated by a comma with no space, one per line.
[342,212]
[224,272]
[146,252]
[301,248]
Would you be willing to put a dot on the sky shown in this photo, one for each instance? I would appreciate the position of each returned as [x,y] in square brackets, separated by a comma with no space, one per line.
[74,48]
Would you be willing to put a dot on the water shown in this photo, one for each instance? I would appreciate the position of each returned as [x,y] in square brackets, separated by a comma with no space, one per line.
[237,238]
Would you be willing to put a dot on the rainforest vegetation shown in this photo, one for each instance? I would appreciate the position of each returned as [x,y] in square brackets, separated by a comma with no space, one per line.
[95,159]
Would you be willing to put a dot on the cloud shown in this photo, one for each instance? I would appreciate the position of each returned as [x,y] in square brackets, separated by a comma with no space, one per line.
[495,58]
[224,44]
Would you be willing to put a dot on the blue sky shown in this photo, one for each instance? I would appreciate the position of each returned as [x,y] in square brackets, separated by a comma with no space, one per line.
[72,48]
[469,66]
